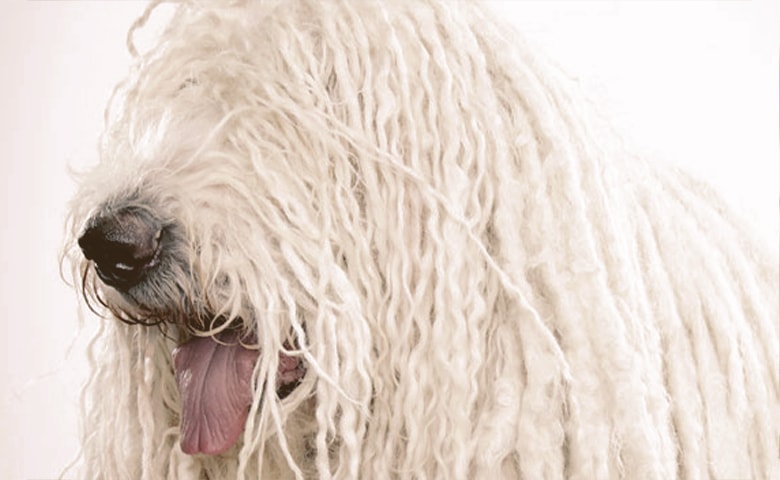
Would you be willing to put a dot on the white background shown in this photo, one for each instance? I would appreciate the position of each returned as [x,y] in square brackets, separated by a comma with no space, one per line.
[691,82]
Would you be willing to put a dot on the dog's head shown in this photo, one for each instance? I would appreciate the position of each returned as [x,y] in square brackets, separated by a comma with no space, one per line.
[210,218]
[302,198]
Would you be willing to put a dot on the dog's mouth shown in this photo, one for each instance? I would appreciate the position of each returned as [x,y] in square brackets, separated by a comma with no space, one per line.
[129,247]
[214,376]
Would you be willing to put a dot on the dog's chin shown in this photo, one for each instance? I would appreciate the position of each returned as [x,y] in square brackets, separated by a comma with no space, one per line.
[214,376]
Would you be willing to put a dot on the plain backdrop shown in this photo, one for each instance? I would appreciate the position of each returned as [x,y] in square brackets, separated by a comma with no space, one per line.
[695,83]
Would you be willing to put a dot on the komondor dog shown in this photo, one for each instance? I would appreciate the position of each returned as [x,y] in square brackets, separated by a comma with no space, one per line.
[367,240]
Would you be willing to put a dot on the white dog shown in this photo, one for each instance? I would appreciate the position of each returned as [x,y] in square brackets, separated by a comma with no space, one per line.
[372,240]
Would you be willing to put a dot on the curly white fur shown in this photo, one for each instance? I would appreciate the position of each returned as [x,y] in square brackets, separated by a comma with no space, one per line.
[481,282]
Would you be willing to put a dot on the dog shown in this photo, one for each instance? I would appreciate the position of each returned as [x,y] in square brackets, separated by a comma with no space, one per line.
[387,240]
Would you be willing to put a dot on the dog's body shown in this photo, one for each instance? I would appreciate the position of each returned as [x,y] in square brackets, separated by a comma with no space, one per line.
[383,240]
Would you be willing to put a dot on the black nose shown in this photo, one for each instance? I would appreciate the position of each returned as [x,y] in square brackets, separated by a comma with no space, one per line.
[124,245]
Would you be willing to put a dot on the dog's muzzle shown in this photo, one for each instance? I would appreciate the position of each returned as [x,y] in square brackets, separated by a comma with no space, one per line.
[214,374]
[124,245]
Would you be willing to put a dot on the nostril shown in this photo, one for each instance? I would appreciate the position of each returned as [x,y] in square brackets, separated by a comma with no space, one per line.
[123,246]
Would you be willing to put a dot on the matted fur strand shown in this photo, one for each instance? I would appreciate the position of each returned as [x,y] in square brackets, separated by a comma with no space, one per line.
[481,281]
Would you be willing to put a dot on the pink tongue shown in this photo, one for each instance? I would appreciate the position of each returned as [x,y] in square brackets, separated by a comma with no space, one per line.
[214,381]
